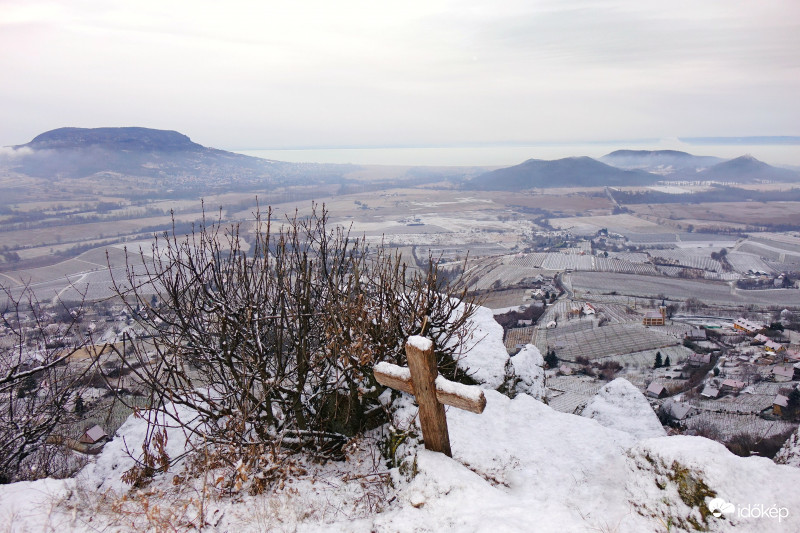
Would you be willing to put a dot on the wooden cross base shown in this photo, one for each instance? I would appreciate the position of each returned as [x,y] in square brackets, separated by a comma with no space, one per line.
[432,391]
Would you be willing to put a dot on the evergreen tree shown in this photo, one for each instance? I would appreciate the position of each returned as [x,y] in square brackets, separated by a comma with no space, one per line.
[551,359]
[659,362]
[80,407]
[793,404]
[667,361]
[28,385]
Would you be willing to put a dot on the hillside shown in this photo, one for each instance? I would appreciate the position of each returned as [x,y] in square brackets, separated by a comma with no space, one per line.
[671,163]
[747,168]
[570,171]
[143,152]
[518,466]
[136,139]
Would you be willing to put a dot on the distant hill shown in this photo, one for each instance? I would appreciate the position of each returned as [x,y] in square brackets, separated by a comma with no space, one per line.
[668,163]
[571,171]
[144,152]
[748,168]
[141,139]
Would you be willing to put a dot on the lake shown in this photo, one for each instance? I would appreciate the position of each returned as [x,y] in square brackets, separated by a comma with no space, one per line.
[507,155]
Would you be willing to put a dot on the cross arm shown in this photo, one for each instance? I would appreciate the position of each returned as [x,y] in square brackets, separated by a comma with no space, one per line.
[468,397]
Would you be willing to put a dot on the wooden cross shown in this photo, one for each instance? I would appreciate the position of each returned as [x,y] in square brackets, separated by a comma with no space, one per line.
[432,391]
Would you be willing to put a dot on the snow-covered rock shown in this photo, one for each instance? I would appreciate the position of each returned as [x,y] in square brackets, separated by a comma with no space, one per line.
[483,354]
[528,367]
[620,405]
[790,452]
[521,466]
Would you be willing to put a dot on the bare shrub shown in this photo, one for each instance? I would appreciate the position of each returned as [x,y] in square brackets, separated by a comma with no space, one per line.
[36,385]
[747,444]
[707,429]
[274,345]
[609,369]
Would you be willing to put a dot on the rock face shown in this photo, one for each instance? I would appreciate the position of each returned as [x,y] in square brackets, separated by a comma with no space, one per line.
[620,405]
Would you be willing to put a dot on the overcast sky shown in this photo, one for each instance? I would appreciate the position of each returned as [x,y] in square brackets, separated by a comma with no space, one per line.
[268,74]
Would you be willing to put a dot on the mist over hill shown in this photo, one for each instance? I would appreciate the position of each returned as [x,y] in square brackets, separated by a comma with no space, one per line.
[83,152]
[570,171]
[673,164]
[663,162]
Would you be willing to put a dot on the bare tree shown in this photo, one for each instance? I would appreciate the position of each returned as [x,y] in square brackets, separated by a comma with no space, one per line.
[271,340]
[36,381]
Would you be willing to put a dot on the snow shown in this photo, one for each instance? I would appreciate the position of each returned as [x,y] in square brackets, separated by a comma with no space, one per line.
[790,452]
[33,505]
[395,371]
[483,354]
[620,405]
[468,392]
[518,466]
[422,344]
[529,368]
[118,455]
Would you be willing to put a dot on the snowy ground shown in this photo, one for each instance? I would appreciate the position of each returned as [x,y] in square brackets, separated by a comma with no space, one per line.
[518,466]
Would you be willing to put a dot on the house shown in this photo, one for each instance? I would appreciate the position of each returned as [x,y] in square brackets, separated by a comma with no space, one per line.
[697,334]
[762,338]
[783,373]
[780,403]
[710,391]
[774,347]
[656,390]
[793,355]
[751,328]
[676,410]
[655,318]
[732,385]
[93,440]
[699,359]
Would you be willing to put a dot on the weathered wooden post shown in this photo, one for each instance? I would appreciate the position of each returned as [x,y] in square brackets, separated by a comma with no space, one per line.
[432,391]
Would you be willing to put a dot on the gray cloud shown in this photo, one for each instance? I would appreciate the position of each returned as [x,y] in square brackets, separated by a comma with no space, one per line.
[359,73]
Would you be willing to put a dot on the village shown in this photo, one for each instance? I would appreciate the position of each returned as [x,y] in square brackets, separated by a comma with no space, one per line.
[716,376]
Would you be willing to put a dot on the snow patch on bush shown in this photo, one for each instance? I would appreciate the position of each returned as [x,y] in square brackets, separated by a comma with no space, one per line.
[790,452]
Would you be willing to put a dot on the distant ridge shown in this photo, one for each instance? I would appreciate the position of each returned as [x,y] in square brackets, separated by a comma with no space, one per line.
[748,168]
[570,171]
[672,163]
